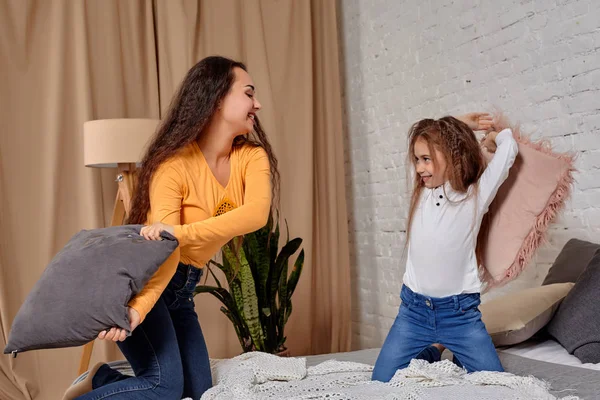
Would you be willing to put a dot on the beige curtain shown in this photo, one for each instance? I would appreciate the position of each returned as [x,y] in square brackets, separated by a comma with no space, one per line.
[331,276]
[65,62]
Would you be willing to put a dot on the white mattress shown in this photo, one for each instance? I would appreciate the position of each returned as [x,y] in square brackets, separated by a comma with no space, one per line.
[549,351]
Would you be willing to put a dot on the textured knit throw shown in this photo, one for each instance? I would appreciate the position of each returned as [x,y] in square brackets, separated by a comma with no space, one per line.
[254,376]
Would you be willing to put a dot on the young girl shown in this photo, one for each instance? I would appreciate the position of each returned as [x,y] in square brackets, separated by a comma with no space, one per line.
[208,176]
[453,190]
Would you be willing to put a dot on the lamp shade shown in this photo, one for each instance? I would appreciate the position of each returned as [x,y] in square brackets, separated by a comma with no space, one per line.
[108,142]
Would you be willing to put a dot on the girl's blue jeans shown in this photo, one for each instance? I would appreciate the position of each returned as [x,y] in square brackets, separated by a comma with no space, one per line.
[453,321]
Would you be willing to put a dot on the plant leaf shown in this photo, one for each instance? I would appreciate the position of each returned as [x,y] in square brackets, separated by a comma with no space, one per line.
[243,338]
[258,258]
[271,287]
[212,273]
[285,253]
[295,274]
[288,312]
[251,310]
[220,293]
[230,264]
[276,284]
[234,283]
[287,229]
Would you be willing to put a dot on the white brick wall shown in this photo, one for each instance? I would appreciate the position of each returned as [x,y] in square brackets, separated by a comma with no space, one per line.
[405,60]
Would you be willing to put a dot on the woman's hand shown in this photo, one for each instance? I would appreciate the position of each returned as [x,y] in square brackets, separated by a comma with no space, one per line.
[152,232]
[489,141]
[134,318]
[477,121]
[118,334]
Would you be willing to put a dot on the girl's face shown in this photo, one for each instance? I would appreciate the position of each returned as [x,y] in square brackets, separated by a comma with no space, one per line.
[239,107]
[431,175]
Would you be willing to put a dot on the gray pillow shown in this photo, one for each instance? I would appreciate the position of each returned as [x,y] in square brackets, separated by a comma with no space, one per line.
[571,261]
[86,287]
[576,324]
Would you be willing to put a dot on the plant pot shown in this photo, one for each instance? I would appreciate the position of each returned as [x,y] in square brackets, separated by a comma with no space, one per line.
[284,353]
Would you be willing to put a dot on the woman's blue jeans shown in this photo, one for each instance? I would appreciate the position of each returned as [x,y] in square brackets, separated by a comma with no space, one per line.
[167,352]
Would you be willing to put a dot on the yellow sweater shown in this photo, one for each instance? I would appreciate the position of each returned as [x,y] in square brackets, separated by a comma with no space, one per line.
[185,193]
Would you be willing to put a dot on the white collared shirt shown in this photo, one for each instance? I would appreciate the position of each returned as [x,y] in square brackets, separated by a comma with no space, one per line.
[441,253]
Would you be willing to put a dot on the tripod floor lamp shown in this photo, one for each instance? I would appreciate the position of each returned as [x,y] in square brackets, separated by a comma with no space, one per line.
[120,144]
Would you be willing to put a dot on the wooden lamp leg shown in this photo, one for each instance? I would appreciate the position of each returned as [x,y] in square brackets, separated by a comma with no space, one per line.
[125,179]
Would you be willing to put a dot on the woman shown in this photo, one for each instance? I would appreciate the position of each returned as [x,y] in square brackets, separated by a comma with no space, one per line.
[208,176]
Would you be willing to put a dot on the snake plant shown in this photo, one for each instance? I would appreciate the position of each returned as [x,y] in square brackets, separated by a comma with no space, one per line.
[258,297]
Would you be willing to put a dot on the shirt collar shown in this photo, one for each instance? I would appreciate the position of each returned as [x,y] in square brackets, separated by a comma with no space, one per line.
[445,188]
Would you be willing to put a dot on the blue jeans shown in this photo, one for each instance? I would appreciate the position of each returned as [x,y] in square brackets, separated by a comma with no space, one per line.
[454,321]
[167,352]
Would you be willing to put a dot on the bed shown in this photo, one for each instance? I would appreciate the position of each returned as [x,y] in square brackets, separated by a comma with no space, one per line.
[543,358]
[561,313]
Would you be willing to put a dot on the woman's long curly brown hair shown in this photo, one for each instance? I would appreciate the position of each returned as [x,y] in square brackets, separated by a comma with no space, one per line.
[461,151]
[191,110]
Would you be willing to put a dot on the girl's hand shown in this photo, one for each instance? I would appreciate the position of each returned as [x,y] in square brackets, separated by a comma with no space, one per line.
[152,232]
[489,141]
[118,334]
[477,121]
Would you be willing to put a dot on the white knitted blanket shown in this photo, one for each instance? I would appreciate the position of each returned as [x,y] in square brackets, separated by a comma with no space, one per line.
[257,375]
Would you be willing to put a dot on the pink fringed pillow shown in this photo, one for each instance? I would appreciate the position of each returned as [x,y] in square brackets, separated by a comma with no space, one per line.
[527,202]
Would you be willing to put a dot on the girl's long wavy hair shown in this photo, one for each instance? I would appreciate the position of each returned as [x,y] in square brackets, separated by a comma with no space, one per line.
[460,149]
[204,87]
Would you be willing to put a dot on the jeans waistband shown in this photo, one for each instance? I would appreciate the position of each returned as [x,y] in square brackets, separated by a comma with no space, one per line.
[192,273]
[449,302]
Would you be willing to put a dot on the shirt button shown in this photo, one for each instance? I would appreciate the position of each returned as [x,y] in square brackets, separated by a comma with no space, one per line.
[441,197]
[428,303]
[437,204]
